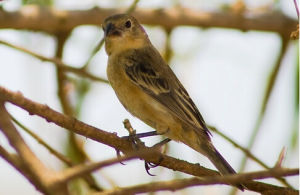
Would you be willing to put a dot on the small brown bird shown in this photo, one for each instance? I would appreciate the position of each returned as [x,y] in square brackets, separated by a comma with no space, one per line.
[149,90]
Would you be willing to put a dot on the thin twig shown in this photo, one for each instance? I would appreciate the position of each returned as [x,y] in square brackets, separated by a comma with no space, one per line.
[296,7]
[40,175]
[114,141]
[268,91]
[132,7]
[62,79]
[10,158]
[14,160]
[247,153]
[178,184]
[78,154]
[83,169]
[168,53]
[280,158]
[94,52]
[42,142]
[57,62]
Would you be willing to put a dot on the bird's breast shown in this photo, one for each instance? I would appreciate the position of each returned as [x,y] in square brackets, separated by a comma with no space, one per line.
[136,101]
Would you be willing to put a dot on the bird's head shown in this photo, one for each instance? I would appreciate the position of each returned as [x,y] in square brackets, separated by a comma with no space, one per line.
[123,32]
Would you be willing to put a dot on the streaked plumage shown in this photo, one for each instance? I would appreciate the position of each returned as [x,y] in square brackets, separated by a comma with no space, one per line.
[148,88]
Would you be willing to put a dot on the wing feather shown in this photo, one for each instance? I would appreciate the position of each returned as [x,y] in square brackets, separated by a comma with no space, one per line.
[159,81]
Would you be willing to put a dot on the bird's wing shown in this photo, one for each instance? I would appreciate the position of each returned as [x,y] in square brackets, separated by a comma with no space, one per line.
[161,83]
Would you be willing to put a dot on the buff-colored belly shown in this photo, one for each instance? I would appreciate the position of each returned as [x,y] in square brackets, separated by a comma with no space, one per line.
[151,112]
[142,105]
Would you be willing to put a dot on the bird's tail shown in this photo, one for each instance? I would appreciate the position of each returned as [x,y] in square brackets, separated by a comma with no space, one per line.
[221,164]
[202,144]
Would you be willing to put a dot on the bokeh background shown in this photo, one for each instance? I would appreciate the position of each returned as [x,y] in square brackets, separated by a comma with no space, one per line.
[226,72]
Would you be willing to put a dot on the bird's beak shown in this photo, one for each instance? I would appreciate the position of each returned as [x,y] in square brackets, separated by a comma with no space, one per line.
[111,30]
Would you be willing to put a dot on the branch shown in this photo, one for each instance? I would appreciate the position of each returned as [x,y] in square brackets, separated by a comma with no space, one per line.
[195,181]
[62,79]
[110,139]
[42,142]
[296,7]
[40,175]
[52,20]
[269,88]
[57,62]
[114,141]
[83,169]
[14,160]
[247,153]
[74,148]
[10,158]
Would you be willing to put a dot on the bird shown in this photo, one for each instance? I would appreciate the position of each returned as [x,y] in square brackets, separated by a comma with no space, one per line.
[148,88]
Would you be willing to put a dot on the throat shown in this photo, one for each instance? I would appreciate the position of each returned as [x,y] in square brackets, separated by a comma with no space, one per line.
[116,46]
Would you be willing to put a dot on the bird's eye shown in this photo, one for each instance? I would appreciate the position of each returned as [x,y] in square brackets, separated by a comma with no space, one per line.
[128,24]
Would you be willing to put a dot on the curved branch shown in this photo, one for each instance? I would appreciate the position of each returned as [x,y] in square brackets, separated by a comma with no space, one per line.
[52,20]
[42,142]
[57,62]
[248,153]
[39,174]
[114,141]
[178,184]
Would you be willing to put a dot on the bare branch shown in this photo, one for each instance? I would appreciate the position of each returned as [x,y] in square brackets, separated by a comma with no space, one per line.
[96,134]
[269,88]
[57,62]
[83,169]
[62,80]
[247,153]
[42,142]
[78,153]
[52,20]
[40,175]
[114,141]
[296,7]
[10,158]
[132,7]
[280,158]
[178,184]
[16,162]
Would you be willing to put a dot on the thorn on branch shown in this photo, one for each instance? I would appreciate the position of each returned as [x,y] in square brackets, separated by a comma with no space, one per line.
[110,139]
[280,158]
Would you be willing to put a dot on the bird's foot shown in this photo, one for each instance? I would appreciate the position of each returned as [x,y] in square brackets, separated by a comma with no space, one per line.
[146,134]
[150,165]
[134,138]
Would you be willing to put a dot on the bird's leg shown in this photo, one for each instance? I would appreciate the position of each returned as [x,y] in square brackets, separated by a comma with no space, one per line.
[135,140]
[132,137]
[149,165]
[161,143]
[146,134]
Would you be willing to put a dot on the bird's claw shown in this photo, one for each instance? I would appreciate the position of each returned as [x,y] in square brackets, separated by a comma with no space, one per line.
[150,165]
[119,155]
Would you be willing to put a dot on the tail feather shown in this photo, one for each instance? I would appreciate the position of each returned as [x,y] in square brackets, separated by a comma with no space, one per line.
[222,165]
